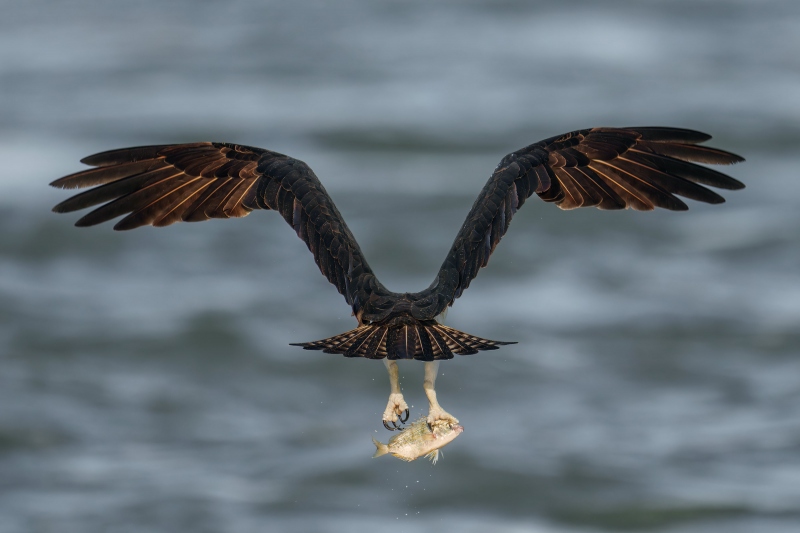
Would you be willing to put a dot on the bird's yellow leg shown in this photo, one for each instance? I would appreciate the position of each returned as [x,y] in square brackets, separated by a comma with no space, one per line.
[438,418]
[397,408]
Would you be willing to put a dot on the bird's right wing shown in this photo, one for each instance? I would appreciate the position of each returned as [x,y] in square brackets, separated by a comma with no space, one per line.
[608,168]
[161,185]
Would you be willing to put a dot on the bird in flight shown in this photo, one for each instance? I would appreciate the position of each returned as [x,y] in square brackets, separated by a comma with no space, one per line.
[608,168]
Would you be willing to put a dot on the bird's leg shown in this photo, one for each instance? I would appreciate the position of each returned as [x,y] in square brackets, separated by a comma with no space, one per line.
[397,408]
[438,418]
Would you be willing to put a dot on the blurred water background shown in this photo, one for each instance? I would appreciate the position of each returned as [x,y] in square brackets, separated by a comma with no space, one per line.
[146,382]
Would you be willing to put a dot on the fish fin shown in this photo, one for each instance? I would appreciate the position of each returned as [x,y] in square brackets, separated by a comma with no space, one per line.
[433,456]
[381,449]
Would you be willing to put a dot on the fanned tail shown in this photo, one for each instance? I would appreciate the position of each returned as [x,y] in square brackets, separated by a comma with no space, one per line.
[412,339]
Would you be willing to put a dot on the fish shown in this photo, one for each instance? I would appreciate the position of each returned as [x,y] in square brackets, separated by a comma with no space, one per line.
[417,440]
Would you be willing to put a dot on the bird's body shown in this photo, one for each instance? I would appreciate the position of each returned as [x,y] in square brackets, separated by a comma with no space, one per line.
[609,168]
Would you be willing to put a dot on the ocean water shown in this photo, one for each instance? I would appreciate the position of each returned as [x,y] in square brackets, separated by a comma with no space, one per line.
[146,382]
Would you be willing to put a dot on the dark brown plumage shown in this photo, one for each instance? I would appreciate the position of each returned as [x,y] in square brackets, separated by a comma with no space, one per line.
[608,168]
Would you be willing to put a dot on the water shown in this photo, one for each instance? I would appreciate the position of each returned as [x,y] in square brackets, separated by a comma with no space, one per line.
[146,382]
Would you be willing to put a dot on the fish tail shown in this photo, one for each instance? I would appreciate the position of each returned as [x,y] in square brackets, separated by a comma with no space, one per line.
[380,448]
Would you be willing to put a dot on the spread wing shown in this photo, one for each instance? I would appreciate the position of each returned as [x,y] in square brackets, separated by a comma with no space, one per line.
[161,185]
[608,168]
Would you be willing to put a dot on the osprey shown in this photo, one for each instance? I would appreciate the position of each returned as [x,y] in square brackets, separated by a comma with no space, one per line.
[608,168]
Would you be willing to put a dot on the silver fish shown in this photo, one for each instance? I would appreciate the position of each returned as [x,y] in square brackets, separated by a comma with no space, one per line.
[418,440]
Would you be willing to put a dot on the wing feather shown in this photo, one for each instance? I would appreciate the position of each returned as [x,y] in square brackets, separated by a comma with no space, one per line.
[176,212]
[114,189]
[610,168]
[161,185]
[138,199]
[161,205]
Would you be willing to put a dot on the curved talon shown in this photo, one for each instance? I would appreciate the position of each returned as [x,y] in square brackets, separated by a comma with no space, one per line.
[394,407]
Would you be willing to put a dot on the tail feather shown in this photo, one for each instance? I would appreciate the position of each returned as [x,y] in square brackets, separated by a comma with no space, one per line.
[422,340]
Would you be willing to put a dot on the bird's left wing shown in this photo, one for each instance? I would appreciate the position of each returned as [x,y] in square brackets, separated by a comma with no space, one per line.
[161,185]
[608,168]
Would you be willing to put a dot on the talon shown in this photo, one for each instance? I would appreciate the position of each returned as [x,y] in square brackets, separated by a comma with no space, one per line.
[394,407]
[439,419]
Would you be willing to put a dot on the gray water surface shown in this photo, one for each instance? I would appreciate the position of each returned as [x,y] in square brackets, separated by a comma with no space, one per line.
[146,382]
